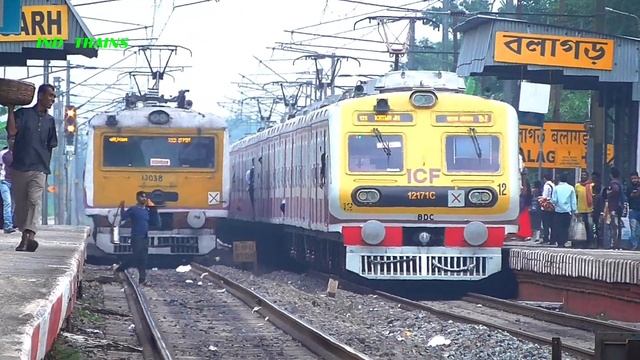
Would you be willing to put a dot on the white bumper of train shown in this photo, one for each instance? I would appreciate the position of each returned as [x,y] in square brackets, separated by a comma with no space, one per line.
[175,242]
[423,263]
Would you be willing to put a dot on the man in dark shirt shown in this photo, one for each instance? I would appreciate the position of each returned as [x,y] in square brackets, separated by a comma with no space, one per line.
[634,210]
[143,214]
[33,132]
[614,205]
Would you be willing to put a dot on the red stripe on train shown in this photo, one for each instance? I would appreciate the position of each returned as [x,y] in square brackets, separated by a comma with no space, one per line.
[353,236]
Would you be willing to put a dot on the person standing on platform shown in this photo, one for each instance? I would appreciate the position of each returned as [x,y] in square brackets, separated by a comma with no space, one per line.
[565,204]
[142,215]
[584,195]
[5,190]
[524,219]
[614,209]
[547,208]
[536,211]
[33,132]
[634,210]
[598,208]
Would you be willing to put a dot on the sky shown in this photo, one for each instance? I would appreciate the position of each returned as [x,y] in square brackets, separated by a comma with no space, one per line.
[225,38]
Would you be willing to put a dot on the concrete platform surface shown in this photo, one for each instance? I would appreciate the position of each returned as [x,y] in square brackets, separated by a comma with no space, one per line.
[38,290]
[612,266]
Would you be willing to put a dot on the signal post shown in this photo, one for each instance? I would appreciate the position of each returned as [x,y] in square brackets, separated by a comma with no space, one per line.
[70,129]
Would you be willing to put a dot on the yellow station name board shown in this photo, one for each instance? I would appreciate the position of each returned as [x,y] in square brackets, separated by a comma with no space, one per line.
[564,145]
[551,50]
[38,22]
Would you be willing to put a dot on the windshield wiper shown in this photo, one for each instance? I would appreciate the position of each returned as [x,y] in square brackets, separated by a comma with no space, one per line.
[385,145]
[476,143]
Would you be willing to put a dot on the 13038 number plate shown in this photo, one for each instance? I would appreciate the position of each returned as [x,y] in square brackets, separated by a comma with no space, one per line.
[152,177]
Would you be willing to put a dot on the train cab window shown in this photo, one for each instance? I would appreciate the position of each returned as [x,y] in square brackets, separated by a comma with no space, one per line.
[158,151]
[467,153]
[368,154]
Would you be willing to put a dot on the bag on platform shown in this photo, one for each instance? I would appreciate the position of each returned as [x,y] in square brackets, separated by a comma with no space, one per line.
[577,231]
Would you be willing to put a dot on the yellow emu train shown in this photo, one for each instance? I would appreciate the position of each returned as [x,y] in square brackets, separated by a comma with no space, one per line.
[404,178]
[178,156]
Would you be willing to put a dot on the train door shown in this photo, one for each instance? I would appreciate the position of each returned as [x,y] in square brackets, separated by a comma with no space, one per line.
[324,168]
[288,182]
[260,163]
[315,186]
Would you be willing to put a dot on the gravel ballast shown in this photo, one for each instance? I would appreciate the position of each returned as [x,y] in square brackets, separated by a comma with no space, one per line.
[380,328]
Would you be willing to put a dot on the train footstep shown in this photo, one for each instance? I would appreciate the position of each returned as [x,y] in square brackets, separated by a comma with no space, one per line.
[183,268]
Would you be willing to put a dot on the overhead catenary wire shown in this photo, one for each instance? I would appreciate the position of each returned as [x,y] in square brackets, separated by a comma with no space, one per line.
[95,2]
[366,50]
[381,5]
[336,37]
[354,16]
[101,71]
[144,27]
[311,52]
[111,21]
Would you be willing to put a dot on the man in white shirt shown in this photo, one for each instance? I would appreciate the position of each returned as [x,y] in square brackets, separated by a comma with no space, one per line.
[6,159]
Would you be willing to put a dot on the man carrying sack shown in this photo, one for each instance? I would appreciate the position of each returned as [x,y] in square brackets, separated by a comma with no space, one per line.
[33,133]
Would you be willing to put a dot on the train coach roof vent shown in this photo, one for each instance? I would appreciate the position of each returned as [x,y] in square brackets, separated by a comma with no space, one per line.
[409,80]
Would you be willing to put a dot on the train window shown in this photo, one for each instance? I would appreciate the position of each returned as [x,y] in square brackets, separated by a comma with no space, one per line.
[368,154]
[465,154]
[159,151]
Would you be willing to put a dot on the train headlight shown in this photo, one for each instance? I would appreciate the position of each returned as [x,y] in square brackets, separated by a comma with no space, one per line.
[159,117]
[196,219]
[480,196]
[476,233]
[368,196]
[373,232]
[423,99]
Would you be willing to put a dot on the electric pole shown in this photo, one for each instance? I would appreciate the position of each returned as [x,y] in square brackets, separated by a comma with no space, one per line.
[68,188]
[597,144]
[446,7]
[45,192]
[411,58]
[58,158]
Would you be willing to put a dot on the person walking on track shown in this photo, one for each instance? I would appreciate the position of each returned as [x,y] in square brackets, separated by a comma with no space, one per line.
[33,133]
[142,215]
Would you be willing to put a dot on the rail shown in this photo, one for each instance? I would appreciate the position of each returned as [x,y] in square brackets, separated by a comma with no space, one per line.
[564,319]
[153,345]
[574,321]
[576,350]
[321,344]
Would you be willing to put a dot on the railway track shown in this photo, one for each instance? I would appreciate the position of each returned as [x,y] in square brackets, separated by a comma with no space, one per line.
[577,333]
[527,322]
[219,319]
[153,344]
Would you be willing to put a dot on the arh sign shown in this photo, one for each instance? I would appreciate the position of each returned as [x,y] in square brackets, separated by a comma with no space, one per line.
[10,19]
[47,21]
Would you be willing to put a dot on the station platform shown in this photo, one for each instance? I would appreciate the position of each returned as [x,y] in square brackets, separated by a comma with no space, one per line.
[38,290]
[589,282]
[612,266]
